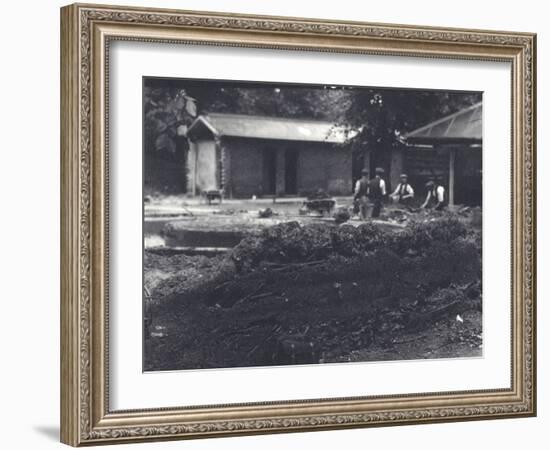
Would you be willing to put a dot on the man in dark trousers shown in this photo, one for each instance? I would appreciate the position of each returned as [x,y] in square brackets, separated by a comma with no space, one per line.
[377,191]
[361,193]
[404,193]
[435,196]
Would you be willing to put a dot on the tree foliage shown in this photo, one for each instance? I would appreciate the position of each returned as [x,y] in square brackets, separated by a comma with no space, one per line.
[381,114]
[385,114]
[165,110]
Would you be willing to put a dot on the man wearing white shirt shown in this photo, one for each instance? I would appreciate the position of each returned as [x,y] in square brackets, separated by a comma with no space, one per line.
[404,193]
[361,192]
[377,191]
[435,198]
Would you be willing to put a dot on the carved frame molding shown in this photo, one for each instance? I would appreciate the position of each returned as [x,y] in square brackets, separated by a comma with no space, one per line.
[86,33]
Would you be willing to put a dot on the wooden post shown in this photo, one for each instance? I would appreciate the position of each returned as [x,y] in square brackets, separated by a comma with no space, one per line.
[196,164]
[227,180]
[396,168]
[280,188]
[219,163]
[452,157]
[366,161]
[192,168]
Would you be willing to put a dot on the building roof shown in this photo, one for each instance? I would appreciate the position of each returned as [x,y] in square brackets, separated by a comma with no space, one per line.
[263,127]
[463,126]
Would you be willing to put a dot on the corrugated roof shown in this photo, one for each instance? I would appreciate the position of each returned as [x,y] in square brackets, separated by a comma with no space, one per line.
[263,127]
[462,126]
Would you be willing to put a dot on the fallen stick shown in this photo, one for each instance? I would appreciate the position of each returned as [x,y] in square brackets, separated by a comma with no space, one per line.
[293,266]
[421,319]
[304,263]
[263,295]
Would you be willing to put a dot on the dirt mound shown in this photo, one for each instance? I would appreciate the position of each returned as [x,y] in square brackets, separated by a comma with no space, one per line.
[298,294]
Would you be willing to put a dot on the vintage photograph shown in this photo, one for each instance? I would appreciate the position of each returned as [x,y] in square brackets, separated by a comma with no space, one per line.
[288,224]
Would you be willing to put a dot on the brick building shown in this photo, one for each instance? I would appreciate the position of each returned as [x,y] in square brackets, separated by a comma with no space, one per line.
[248,155]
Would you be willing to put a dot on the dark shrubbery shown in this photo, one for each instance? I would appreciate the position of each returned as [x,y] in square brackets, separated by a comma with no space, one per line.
[341,216]
[293,243]
[419,235]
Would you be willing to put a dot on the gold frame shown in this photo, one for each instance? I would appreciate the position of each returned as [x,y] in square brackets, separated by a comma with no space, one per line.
[86,31]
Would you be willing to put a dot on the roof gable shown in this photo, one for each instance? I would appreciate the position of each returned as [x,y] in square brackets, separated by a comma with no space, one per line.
[462,126]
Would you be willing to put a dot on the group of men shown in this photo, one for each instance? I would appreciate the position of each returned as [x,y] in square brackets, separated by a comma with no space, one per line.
[374,191]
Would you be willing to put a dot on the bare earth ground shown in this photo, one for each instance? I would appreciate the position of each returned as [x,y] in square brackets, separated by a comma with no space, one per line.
[277,300]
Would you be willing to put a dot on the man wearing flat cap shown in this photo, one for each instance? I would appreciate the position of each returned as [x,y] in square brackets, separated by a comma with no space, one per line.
[435,195]
[404,193]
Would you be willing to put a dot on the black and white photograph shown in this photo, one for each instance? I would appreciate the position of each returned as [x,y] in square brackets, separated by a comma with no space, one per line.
[295,224]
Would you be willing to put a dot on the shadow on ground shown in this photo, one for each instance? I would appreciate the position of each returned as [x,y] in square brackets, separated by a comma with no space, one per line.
[49,431]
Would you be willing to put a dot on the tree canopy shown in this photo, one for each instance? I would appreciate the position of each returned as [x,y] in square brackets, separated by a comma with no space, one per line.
[382,114]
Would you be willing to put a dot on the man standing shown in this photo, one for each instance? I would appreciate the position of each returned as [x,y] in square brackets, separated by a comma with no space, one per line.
[377,191]
[435,197]
[404,192]
[361,192]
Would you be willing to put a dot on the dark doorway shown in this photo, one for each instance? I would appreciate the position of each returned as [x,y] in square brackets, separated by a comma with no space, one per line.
[270,171]
[291,172]
[468,178]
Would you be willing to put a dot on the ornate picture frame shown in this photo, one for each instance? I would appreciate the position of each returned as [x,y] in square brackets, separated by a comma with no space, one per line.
[86,34]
